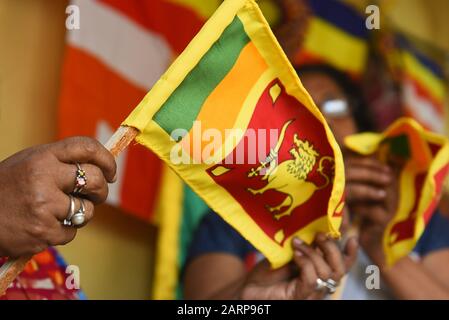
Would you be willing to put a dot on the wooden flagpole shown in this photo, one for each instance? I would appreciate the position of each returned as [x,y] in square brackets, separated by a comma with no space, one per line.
[116,144]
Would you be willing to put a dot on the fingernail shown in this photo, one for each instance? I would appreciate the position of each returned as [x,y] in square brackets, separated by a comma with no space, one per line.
[115,178]
[298,253]
[321,237]
[297,242]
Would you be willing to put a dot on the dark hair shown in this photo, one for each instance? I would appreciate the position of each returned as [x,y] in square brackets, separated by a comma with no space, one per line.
[360,110]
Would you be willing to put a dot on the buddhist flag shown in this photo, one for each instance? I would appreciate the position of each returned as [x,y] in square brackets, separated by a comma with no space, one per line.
[336,34]
[425,158]
[424,91]
[232,119]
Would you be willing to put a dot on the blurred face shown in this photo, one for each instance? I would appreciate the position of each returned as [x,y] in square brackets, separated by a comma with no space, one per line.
[334,105]
[332,102]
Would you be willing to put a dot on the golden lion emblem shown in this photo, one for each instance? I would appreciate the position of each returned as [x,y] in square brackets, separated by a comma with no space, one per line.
[290,176]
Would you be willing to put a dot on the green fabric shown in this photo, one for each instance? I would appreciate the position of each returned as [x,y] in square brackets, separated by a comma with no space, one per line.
[183,106]
[194,209]
[399,146]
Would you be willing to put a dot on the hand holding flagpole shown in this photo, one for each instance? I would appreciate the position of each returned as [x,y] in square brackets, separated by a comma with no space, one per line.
[116,144]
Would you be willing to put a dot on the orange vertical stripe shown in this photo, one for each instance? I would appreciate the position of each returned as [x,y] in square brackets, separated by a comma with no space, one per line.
[222,107]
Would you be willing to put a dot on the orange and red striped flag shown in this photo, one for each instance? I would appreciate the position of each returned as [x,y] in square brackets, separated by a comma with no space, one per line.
[120,50]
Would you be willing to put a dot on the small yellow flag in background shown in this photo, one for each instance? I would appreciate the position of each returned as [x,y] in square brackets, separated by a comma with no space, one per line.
[426,163]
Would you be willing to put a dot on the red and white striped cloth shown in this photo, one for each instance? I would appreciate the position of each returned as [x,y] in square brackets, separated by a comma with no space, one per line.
[119,52]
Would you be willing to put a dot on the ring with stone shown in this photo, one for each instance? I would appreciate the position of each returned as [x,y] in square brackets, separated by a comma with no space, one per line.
[80,179]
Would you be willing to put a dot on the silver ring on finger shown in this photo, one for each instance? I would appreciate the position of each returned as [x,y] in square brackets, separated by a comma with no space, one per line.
[68,221]
[331,285]
[79,217]
[80,179]
[320,284]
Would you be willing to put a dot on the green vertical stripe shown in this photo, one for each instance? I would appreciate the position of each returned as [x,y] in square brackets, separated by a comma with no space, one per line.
[183,106]
[400,146]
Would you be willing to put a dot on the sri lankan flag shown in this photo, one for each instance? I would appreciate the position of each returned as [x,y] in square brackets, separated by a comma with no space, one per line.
[231,89]
[425,163]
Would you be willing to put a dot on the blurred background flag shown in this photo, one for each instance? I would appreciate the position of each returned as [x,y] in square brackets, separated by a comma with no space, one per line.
[423,160]
[424,90]
[335,34]
[120,50]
